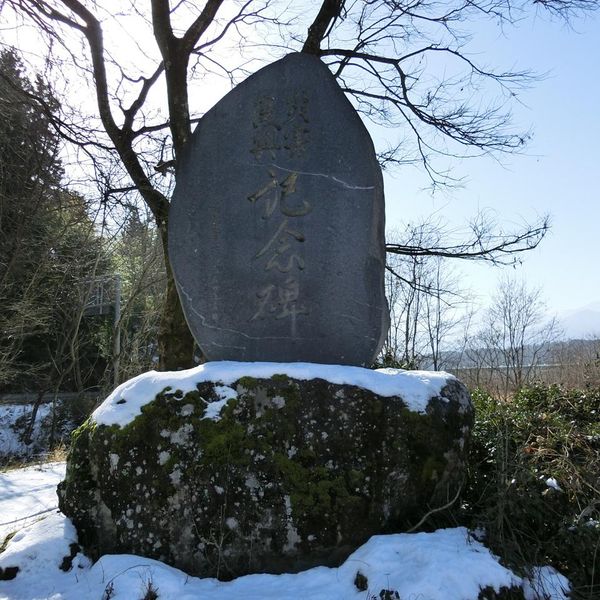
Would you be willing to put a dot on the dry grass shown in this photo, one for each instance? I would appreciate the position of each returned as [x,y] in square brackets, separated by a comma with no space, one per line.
[58,454]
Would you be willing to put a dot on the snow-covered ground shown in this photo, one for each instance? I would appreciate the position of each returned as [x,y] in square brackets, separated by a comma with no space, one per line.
[447,564]
[27,495]
[11,433]
[15,420]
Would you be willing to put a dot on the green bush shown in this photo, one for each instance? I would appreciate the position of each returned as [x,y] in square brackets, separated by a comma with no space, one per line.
[519,446]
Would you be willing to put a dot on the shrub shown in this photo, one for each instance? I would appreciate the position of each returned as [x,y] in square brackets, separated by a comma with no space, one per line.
[535,481]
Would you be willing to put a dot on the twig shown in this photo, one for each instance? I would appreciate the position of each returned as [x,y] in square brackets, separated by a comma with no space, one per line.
[435,510]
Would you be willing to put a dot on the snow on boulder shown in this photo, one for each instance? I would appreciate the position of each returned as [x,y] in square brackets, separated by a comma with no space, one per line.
[235,468]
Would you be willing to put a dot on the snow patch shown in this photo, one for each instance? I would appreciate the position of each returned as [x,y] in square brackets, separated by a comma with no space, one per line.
[546,583]
[444,565]
[213,410]
[41,549]
[26,494]
[11,435]
[415,388]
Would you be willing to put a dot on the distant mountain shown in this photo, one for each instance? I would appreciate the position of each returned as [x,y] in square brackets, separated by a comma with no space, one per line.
[581,323]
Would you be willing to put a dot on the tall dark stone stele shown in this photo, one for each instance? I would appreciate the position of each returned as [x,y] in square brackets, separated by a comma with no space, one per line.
[277,223]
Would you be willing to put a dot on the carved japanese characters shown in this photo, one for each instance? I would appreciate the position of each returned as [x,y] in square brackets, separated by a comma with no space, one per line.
[277,223]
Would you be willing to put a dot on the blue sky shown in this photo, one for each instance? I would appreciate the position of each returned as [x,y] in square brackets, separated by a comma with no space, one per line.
[557,174]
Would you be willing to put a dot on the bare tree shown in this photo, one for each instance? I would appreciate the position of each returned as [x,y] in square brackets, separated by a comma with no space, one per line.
[516,335]
[426,302]
[446,308]
[380,52]
[407,283]
[403,345]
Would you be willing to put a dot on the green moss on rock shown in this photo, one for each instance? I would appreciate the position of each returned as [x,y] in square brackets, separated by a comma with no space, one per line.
[292,474]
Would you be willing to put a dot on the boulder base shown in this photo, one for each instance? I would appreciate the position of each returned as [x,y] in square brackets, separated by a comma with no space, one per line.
[264,474]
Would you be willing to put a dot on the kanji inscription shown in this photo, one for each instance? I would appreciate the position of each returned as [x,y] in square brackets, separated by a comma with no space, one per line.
[290,134]
[280,297]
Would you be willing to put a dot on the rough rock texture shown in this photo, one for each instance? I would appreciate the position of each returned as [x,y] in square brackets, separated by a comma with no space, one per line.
[289,474]
[279,205]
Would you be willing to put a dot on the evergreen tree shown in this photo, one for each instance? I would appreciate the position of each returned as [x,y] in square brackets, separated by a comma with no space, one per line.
[48,245]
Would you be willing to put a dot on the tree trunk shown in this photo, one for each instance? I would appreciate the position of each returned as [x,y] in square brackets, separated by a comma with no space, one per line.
[175,341]
[27,438]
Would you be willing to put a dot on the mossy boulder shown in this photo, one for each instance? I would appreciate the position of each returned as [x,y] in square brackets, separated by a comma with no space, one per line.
[266,474]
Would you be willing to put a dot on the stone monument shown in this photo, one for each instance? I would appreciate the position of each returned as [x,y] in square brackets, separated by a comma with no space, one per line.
[276,230]
[276,241]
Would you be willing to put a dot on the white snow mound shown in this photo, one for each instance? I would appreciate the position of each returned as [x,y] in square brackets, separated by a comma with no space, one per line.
[415,388]
[447,564]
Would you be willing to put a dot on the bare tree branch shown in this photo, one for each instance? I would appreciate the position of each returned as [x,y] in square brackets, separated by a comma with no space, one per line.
[484,245]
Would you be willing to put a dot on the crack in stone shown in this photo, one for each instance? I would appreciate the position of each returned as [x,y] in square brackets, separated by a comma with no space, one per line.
[332,177]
